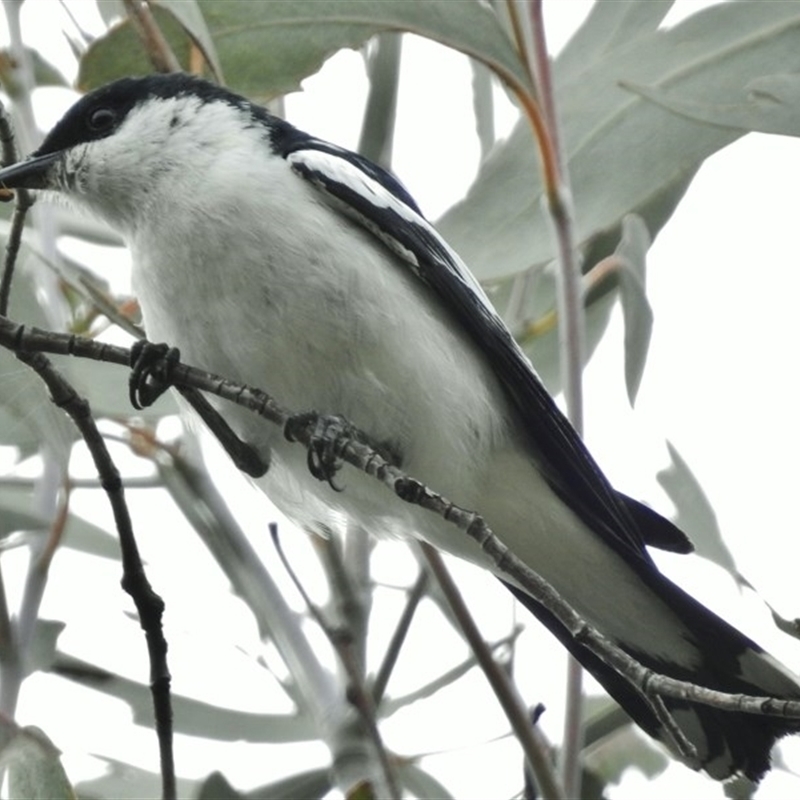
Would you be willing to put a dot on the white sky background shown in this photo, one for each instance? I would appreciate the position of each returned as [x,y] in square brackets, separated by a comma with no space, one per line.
[720,384]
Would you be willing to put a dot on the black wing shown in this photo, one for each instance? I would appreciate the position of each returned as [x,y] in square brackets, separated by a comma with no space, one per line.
[377,201]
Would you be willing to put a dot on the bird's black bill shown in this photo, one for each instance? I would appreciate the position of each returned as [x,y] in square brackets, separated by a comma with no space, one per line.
[29,174]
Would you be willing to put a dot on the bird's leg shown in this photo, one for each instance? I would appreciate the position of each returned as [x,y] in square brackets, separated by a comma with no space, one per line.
[151,369]
[151,375]
[326,436]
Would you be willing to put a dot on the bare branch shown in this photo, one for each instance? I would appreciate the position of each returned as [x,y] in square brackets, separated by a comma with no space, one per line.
[502,685]
[355,452]
[155,44]
[134,581]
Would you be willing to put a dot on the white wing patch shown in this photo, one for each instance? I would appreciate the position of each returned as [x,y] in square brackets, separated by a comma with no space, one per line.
[337,168]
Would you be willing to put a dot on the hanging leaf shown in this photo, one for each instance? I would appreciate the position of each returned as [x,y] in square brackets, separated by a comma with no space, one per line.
[694,513]
[266,49]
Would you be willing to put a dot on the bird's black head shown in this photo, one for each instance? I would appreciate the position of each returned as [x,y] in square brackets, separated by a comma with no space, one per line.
[100,113]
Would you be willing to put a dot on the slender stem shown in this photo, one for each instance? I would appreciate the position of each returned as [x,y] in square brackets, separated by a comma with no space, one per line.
[10,673]
[341,640]
[504,689]
[36,579]
[354,451]
[148,604]
[201,501]
[51,477]
[401,631]
[569,306]
[155,44]
[377,129]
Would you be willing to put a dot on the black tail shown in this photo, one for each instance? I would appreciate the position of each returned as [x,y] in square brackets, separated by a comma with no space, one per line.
[727,742]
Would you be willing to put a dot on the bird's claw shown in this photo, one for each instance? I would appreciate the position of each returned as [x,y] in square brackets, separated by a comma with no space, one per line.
[328,434]
[151,368]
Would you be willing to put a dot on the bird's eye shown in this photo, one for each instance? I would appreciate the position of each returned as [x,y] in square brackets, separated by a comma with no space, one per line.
[101,119]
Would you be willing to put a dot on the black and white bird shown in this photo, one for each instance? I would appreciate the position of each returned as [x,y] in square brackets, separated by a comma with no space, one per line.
[284,262]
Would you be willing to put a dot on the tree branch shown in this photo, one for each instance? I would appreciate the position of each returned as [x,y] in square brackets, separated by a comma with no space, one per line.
[134,580]
[353,450]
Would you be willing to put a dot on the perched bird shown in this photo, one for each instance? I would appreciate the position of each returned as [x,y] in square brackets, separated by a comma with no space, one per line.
[284,262]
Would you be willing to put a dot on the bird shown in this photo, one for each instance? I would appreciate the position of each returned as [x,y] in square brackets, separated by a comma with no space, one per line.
[285,262]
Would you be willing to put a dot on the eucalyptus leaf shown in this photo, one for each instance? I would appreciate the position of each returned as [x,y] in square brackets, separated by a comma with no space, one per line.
[380,112]
[34,768]
[12,521]
[771,104]
[266,49]
[217,785]
[41,651]
[543,350]
[17,511]
[44,73]
[628,748]
[602,717]
[190,15]
[483,106]
[610,24]
[28,418]
[309,784]
[694,513]
[421,783]
[128,782]
[192,717]
[111,11]
[621,150]
[636,310]
[120,52]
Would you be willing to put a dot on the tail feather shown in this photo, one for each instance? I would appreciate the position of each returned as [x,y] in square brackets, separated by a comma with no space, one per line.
[727,743]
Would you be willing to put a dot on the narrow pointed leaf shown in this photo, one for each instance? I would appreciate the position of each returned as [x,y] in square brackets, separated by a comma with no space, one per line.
[621,150]
[33,764]
[266,49]
[636,310]
[694,514]
[770,104]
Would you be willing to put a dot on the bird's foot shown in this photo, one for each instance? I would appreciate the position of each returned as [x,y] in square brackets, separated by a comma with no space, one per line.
[326,435]
[151,368]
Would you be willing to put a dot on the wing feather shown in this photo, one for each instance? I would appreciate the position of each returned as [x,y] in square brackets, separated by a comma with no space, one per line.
[379,203]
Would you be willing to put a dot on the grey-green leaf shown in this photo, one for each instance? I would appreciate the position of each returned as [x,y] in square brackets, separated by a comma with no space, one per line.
[610,24]
[190,16]
[34,766]
[310,784]
[636,310]
[771,104]
[127,782]
[192,717]
[694,514]
[380,113]
[421,783]
[266,49]
[621,149]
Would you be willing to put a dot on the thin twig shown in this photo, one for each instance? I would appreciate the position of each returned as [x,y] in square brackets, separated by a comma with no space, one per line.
[569,306]
[10,668]
[36,578]
[398,637]
[349,607]
[24,202]
[520,40]
[540,67]
[134,581]
[155,44]
[351,449]
[501,684]
[341,640]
